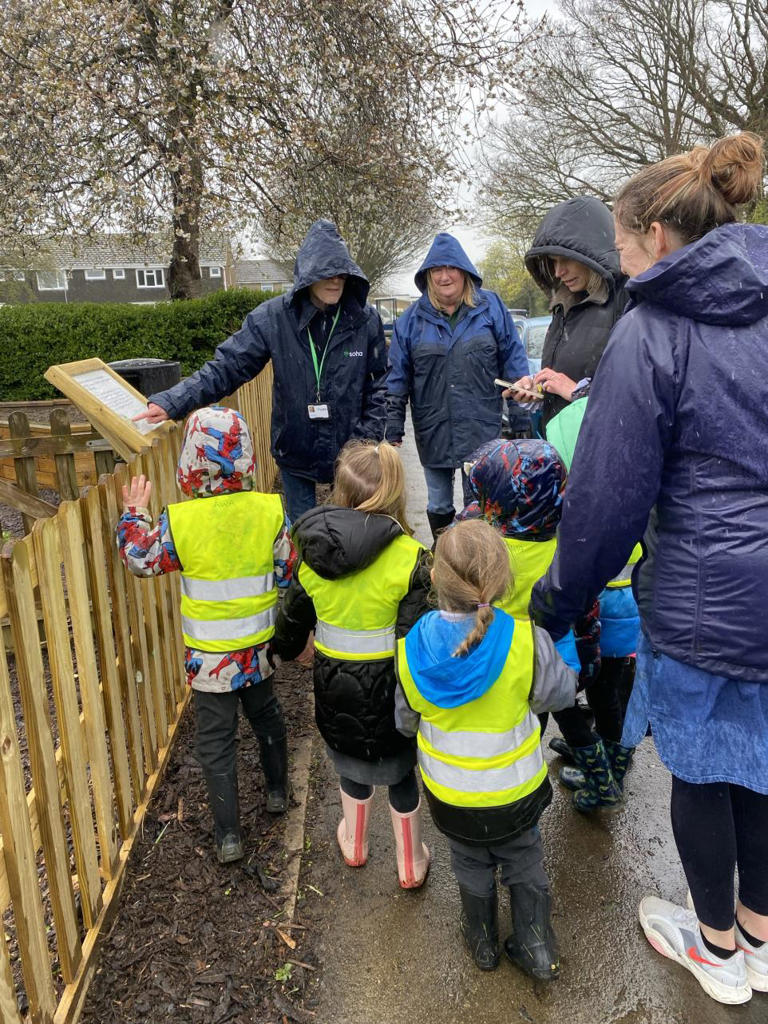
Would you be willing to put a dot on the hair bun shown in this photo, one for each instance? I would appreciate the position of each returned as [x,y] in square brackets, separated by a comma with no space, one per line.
[734,166]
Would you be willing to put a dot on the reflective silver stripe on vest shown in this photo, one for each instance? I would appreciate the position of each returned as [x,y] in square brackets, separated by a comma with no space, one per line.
[625,576]
[226,590]
[467,744]
[484,780]
[355,641]
[228,629]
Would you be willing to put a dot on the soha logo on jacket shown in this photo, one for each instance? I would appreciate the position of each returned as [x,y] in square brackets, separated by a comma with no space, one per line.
[352,354]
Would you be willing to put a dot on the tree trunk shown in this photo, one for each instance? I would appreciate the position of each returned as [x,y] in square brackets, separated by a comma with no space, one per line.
[184,277]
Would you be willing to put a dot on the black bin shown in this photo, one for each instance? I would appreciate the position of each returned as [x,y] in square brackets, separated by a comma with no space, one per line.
[148,375]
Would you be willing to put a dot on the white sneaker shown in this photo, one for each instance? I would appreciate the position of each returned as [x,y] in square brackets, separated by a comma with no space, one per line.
[756,960]
[674,932]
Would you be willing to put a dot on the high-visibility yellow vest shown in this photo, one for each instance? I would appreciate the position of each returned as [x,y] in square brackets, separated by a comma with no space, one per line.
[225,545]
[529,561]
[486,753]
[624,578]
[356,614]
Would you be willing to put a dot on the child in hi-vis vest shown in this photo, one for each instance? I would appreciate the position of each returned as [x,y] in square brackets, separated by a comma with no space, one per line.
[233,551]
[519,488]
[471,681]
[361,582]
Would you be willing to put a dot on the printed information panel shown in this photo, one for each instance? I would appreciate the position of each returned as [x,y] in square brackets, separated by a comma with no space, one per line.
[108,401]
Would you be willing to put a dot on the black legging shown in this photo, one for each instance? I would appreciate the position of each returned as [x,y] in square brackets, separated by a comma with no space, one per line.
[718,826]
[607,698]
[403,795]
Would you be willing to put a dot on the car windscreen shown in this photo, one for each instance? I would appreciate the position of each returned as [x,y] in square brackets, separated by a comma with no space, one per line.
[534,340]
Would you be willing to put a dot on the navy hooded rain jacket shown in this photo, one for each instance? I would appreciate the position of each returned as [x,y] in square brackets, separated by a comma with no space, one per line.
[677,419]
[352,380]
[448,372]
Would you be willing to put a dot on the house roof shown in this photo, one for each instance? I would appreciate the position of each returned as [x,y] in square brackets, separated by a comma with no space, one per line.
[262,272]
[120,251]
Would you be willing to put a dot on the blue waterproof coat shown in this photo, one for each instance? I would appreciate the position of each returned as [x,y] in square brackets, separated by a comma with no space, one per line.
[677,420]
[352,381]
[448,372]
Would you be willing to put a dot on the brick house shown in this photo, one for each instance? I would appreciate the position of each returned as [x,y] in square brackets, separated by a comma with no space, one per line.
[111,268]
[263,275]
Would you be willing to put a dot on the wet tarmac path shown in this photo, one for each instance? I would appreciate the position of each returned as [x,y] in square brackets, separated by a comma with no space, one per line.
[395,957]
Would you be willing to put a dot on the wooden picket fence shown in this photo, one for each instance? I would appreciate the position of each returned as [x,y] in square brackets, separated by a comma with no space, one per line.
[90,701]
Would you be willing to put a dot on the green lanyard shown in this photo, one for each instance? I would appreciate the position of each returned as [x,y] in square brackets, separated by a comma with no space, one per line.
[313,351]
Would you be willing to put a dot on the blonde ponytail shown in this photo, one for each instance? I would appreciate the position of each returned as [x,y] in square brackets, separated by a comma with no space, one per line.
[471,572]
[369,477]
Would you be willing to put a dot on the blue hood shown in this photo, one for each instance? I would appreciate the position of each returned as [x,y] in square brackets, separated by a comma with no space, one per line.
[324,254]
[446,251]
[450,682]
[720,279]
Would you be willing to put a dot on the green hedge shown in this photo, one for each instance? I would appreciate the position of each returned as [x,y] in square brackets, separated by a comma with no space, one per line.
[33,337]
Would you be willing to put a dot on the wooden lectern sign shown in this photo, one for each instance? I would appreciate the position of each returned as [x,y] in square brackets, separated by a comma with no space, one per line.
[108,401]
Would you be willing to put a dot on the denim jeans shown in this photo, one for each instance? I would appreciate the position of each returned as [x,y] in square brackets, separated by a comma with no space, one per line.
[440,489]
[299,494]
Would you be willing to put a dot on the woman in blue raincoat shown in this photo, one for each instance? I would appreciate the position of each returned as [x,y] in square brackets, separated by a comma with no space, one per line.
[447,350]
[676,423]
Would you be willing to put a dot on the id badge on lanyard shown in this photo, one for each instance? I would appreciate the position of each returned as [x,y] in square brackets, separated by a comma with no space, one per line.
[320,410]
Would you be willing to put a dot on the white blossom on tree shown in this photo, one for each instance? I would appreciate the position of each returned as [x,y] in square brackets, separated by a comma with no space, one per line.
[140,115]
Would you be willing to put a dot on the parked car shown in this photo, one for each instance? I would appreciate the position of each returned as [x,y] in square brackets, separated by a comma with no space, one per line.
[513,418]
[532,336]
[518,317]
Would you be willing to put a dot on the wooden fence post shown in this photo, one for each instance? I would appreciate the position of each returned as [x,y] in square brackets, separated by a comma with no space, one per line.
[48,555]
[19,850]
[65,464]
[74,557]
[26,476]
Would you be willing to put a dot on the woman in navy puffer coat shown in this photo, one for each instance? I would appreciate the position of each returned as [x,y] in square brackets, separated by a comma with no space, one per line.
[676,422]
[447,349]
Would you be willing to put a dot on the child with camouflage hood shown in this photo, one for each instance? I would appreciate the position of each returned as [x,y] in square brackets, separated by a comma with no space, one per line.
[233,551]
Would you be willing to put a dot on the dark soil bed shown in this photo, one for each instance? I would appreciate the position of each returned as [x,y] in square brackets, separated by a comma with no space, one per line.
[196,941]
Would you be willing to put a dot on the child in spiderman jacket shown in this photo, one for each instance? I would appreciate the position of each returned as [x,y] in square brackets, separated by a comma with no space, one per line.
[233,551]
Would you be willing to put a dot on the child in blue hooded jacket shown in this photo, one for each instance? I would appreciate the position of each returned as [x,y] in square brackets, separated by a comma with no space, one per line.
[518,488]
[471,680]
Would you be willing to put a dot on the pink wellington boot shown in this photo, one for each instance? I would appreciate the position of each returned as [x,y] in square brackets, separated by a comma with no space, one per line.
[412,855]
[352,832]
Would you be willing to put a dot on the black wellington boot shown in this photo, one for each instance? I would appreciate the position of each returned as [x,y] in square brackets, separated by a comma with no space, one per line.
[274,764]
[222,796]
[532,944]
[480,928]
[438,522]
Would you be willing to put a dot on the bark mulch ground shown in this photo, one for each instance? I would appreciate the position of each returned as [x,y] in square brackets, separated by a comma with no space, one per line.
[200,942]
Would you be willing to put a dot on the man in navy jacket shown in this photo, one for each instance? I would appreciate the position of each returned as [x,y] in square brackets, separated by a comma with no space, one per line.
[329,360]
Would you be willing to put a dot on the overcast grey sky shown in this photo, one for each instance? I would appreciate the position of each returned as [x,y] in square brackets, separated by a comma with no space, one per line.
[472,239]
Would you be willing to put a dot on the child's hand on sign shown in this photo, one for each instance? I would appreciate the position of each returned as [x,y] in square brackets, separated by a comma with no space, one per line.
[137,495]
